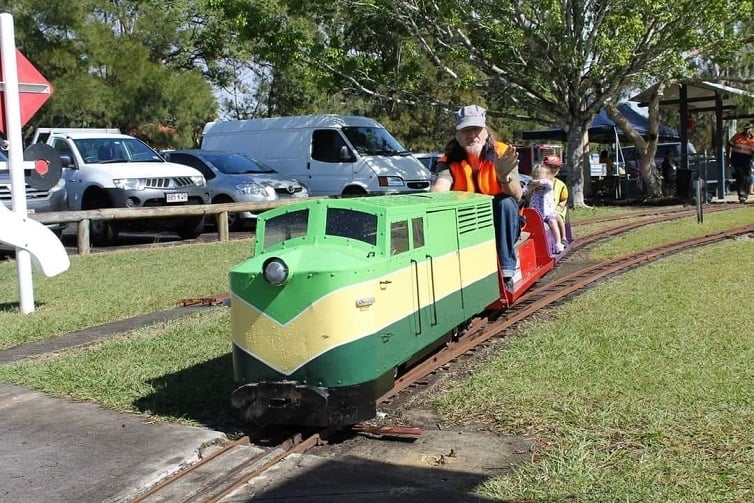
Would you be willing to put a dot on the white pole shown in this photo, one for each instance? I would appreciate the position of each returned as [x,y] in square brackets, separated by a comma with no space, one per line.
[15,153]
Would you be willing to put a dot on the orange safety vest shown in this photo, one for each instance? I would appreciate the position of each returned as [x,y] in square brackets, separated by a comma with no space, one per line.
[484,179]
[741,145]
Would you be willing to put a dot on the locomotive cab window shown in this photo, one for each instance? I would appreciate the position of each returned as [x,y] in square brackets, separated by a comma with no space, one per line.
[417,229]
[398,237]
[284,227]
[352,224]
[400,241]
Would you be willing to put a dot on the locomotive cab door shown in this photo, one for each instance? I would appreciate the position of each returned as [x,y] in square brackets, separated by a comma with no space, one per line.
[443,270]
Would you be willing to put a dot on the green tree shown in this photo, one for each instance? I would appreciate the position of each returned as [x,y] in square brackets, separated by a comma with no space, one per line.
[136,65]
[561,62]
[536,61]
[330,57]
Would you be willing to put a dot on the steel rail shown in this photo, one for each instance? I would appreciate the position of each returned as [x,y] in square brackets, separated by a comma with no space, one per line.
[213,488]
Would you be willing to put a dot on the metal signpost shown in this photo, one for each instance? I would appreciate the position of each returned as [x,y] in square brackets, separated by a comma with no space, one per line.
[21,101]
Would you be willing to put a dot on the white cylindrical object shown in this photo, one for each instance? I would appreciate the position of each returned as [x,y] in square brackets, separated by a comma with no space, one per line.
[15,152]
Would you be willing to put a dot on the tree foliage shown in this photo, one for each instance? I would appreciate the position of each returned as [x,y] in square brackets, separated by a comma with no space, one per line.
[142,64]
[561,62]
[135,65]
[411,62]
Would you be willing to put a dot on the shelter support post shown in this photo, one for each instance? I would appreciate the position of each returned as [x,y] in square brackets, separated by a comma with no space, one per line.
[684,111]
[720,147]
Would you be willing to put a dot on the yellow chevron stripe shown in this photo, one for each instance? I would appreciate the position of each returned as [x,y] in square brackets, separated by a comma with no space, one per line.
[337,319]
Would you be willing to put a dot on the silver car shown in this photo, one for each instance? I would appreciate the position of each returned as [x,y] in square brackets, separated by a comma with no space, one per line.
[429,159]
[233,177]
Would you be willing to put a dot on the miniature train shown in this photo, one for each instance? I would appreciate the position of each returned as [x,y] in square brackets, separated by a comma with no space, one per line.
[341,293]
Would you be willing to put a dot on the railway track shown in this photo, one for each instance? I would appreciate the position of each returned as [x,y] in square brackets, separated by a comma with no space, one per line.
[551,293]
[217,477]
[225,470]
[679,211]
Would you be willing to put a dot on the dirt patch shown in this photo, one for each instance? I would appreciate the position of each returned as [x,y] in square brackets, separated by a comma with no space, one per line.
[452,455]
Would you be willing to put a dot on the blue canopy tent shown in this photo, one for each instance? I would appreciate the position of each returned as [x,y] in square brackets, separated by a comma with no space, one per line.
[603,129]
[605,132]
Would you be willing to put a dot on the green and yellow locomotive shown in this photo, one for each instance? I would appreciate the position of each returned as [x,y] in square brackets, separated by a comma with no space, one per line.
[341,293]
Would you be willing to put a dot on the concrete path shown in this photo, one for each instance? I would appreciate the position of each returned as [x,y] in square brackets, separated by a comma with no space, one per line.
[53,450]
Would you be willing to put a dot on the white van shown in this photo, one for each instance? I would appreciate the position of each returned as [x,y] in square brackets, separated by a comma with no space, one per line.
[330,154]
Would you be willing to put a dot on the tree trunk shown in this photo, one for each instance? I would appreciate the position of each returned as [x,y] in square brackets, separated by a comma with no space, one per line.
[650,175]
[579,177]
[650,182]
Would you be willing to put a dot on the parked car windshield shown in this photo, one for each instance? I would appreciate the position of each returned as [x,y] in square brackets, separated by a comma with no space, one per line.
[373,141]
[233,164]
[107,150]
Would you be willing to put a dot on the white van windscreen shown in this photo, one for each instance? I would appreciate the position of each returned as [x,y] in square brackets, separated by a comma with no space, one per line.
[373,141]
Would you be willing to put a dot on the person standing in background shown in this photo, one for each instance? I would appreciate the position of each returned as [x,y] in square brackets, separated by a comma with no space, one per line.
[740,152]
[607,160]
[669,171]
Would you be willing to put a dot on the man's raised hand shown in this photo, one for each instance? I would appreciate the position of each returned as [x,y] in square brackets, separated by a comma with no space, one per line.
[506,163]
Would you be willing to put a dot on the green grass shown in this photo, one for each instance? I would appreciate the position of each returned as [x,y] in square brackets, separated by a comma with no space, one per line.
[581,214]
[112,286]
[175,371]
[669,232]
[657,234]
[638,390]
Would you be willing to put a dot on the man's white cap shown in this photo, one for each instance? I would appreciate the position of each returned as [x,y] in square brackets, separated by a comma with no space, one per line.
[470,116]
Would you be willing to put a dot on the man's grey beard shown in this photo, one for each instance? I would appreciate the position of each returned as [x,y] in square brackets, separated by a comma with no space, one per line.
[475,149]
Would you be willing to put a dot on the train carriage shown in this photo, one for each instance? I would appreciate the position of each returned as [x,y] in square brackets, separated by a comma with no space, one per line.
[341,293]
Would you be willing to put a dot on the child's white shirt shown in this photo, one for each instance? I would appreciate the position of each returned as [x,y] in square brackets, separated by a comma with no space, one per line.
[542,198]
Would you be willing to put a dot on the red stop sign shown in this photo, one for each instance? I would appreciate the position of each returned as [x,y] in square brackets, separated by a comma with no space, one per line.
[33,90]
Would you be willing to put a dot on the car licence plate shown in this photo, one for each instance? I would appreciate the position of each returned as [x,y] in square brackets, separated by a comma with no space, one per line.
[177,197]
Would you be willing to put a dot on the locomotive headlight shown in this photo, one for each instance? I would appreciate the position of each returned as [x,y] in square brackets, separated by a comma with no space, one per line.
[275,271]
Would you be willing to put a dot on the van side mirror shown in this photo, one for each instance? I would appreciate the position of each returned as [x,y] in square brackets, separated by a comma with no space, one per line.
[65,161]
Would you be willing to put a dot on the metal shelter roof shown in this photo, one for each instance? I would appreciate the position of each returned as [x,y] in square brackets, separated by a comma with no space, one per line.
[700,95]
